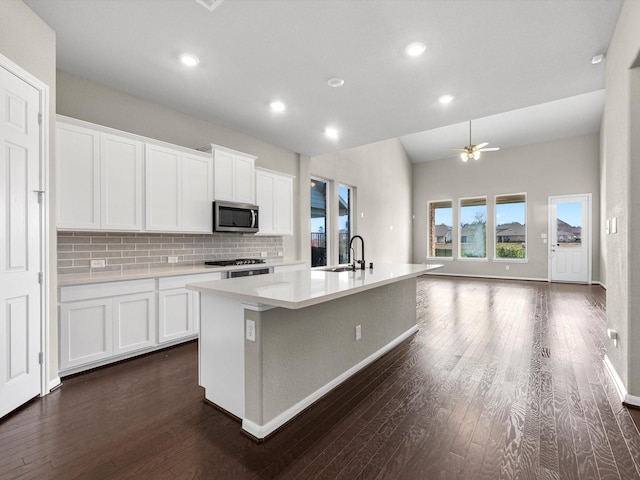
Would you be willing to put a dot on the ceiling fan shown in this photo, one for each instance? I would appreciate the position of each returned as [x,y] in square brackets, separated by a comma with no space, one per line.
[473,151]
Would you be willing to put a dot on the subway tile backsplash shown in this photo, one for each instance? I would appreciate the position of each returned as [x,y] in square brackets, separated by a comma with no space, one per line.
[128,251]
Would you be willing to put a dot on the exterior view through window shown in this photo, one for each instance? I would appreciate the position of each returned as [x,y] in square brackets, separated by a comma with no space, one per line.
[569,218]
[344,222]
[473,227]
[318,223]
[440,238]
[511,228]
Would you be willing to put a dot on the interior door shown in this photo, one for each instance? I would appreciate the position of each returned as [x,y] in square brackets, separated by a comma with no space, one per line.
[569,228]
[20,247]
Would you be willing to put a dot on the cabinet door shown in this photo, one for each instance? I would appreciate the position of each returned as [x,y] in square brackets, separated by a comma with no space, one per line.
[197,193]
[175,314]
[265,196]
[283,200]
[121,183]
[78,177]
[134,322]
[163,181]
[224,174]
[85,332]
[244,181]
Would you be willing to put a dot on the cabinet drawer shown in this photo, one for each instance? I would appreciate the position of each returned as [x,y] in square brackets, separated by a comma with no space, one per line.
[108,289]
[167,283]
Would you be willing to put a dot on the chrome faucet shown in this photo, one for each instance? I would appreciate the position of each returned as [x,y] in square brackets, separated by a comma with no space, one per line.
[361,262]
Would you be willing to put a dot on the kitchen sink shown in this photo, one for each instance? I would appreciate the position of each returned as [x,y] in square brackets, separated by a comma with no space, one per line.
[337,269]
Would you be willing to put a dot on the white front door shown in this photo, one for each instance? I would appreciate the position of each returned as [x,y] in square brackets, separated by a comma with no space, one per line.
[569,238]
[20,247]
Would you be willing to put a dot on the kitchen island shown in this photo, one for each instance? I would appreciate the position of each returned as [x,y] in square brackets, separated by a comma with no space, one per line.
[271,345]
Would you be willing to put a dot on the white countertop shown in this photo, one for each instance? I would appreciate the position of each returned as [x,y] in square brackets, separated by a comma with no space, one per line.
[169,271]
[303,288]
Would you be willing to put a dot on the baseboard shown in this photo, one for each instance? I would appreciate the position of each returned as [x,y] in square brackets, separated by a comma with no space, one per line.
[599,283]
[624,396]
[493,277]
[259,432]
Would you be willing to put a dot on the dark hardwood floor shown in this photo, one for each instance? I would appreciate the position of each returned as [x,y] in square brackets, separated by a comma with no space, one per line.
[505,379]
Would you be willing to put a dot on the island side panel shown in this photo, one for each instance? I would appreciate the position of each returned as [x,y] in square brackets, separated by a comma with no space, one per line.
[298,352]
[221,352]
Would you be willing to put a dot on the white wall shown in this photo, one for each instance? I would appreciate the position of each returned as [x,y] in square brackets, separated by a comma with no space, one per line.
[622,176]
[563,167]
[29,42]
[381,175]
[86,100]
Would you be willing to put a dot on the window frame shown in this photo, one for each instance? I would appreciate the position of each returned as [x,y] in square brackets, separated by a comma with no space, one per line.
[352,196]
[526,228]
[327,224]
[429,204]
[486,206]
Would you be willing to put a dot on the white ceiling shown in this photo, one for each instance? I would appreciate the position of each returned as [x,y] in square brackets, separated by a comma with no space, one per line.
[494,56]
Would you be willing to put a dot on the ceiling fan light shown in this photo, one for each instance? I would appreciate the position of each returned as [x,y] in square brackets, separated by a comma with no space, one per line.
[476,155]
[464,156]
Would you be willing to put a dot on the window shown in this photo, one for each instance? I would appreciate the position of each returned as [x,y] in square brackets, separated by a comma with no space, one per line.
[473,227]
[345,203]
[511,227]
[318,222]
[440,235]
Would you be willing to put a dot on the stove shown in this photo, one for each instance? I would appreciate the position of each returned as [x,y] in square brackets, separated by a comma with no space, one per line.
[237,261]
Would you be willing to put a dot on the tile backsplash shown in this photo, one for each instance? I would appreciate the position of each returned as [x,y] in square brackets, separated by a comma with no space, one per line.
[128,251]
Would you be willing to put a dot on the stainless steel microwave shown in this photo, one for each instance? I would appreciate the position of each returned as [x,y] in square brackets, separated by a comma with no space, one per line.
[235,217]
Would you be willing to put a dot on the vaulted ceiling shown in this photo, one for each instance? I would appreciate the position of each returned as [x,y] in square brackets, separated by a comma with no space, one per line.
[531,58]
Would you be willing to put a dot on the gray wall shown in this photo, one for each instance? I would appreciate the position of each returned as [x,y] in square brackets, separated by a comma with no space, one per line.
[86,100]
[563,167]
[297,352]
[381,175]
[29,42]
[622,177]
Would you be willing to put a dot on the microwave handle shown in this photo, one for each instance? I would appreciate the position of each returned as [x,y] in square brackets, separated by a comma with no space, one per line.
[253,219]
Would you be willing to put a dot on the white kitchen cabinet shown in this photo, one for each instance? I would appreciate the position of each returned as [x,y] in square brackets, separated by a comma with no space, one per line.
[78,177]
[99,179]
[274,196]
[134,322]
[86,332]
[178,308]
[234,174]
[121,183]
[179,190]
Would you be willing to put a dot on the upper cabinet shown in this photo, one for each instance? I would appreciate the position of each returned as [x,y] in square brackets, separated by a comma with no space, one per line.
[102,174]
[234,174]
[274,196]
[179,189]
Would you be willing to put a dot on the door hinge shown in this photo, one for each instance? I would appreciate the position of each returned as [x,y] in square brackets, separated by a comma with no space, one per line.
[40,195]
[40,278]
[40,358]
[39,119]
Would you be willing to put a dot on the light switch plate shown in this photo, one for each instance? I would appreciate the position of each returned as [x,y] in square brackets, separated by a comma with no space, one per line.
[251,330]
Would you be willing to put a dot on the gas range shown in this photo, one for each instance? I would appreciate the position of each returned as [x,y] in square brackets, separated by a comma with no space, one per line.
[237,261]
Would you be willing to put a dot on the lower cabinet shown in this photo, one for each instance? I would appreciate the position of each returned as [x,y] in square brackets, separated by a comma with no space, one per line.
[93,330]
[105,322]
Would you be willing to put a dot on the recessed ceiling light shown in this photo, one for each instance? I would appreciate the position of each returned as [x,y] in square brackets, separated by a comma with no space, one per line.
[189,59]
[277,106]
[415,49]
[331,133]
[335,82]
[444,99]
[597,59]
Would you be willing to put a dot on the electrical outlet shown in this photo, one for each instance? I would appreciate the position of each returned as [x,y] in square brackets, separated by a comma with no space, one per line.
[172,259]
[263,254]
[358,332]
[279,254]
[251,330]
[98,263]
[506,267]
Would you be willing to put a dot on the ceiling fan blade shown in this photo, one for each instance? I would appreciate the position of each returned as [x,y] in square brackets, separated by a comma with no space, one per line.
[490,149]
[478,147]
[458,149]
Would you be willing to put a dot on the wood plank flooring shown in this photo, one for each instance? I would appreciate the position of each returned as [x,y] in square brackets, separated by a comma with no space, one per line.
[503,380]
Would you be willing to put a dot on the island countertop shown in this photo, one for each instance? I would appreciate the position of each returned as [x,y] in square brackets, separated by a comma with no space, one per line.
[303,288]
